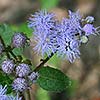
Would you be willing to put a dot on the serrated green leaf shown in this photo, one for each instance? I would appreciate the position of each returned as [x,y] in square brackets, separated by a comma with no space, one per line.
[53,79]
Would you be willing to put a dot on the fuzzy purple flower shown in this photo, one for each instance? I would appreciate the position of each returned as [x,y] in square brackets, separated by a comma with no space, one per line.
[11,97]
[33,76]
[90,29]
[89,19]
[3,91]
[3,95]
[63,37]
[68,49]
[8,66]
[19,40]
[75,20]
[22,70]
[42,22]
[46,44]
[67,28]
[20,84]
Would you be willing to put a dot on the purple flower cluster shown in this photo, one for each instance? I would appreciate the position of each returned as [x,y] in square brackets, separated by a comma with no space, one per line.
[20,84]
[8,66]
[19,40]
[22,70]
[3,95]
[24,75]
[63,37]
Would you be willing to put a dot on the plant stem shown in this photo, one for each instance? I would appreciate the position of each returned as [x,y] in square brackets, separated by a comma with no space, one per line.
[2,41]
[28,94]
[13,54]
[22,96]
[43,62]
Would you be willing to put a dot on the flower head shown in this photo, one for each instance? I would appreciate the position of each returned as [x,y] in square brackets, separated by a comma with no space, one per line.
[22,70]
[90,29]
[19,40]
[33,76]
[63,37]
[89,19]
[68,49]
[42,22]
[8,66]
[20,84]
[3,95]
[3,91]
[11,97]
[46,44]
[75,19]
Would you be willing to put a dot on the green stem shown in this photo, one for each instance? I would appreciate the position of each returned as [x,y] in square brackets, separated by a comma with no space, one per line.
[2,41]
[28,94]
[13,54]
[43,62]
[22,96]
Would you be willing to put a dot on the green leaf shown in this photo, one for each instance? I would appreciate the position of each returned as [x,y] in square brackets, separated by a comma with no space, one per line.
[53,79]
[6,33]
[18,51]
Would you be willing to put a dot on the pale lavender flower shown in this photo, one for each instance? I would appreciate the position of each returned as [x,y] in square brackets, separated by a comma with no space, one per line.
[64,38]
[11,97]
[3,91]
[4,96]
[90,29]
[75,19]
[33,76]
[19,40]
[69,49]
[89,19]
[46,44]
[20,84]
[68,29]
[22,70]
[8,66]
[42,22]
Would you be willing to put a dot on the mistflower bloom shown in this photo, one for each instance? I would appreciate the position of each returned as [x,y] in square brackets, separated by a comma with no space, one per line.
[90,29]
[1,48]
[19,40]
[42,22]
[63,37]
[20,84]
[8,66]
[89,19]
[33,76]
[66,28]
[69,49]
[47,44]
[3,91]
[75,19]
[22,70]
[14,97]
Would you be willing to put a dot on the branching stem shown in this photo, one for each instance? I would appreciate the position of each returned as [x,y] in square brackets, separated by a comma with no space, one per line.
[43,62]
